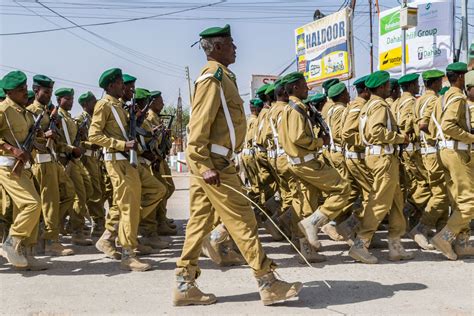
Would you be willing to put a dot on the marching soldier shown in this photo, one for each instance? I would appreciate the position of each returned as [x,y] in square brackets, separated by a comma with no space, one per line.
[161,168]
[392,100]
[109,129]
[90,160]
[299,139]
[217,131]
[354,154]
[417,189]
[452,119]
[435,214]
[378,131]
[57,193]
[69,152]
[15,123]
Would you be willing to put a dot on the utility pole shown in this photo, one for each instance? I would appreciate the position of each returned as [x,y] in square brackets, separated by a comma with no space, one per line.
[371,39]
[189,85]
[465,33]
[179,124]
[404,45]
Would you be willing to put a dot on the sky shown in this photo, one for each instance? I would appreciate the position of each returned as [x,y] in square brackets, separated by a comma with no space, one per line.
[157,50]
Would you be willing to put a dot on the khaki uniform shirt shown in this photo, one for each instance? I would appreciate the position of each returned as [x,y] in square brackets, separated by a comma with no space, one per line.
[454,120]
[334,120]
[66,135]
[324,111]
[20,121]
[104,130]
[350,129]
[297,136]
[274,120]
[260,137]
[37,108]
[422,114]
[377,130]
[79,120]
[249,136]
[404,113]
[208,125]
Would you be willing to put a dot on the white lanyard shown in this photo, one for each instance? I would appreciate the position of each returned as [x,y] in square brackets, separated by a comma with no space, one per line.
[66,131]
[119,122]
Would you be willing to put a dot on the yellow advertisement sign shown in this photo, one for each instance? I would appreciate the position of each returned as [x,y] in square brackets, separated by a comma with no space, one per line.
[392,58]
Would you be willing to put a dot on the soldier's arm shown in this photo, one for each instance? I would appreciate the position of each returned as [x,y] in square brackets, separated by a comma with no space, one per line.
[406,118]
[298,134]
[205,106]
[350,129]
[377,121]
[96,130]
[453,114]
[337,124]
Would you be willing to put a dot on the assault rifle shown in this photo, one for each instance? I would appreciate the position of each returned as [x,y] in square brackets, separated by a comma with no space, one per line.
[53,124]
[79,137]
[163,133]
[318,119]
[27,145]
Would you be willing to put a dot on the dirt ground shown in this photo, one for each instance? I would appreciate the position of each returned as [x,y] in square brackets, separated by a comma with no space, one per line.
[89,284]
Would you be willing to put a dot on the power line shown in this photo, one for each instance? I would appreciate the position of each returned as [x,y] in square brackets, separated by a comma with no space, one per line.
[116,22]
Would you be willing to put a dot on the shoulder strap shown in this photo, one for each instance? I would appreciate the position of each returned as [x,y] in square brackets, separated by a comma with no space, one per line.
[363,121]
[304,114]
[400,108]
[119,122]
[66,131]
[230,125]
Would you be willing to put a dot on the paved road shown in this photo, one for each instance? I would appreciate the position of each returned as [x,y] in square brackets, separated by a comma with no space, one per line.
[89,284]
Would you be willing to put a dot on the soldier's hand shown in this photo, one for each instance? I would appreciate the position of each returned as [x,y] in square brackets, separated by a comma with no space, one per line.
[131,145]
[77,152]
[406,141]
[211,177]
[149,155]
[326,139]
[423,127]
[50,134]
[21,155]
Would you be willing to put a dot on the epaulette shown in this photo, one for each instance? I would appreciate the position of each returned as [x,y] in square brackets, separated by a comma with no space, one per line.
[218,74]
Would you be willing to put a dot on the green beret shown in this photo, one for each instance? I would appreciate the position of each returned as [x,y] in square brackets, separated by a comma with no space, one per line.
[377,79]
[279,83]
[293,77]
[109,76]
[155,94]
[432,74]
[63,92]
[31,94]
[443,90]
[43,81]
[469,79]
[262,89]
[2,93]
[316,98]
[141,93]
[408,78]
[393,83]
[360,82]
[257,103]
[216,32]
[457,67]
[271,89]
[336,89]
[84,97]
[328,83]
[13,79]
[128,78]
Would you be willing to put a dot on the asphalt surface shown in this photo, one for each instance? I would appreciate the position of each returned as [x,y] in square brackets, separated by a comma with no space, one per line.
[89,284]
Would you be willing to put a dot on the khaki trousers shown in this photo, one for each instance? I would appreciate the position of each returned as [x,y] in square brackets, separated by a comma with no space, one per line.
[132,187]
[81,182]
[437,211]
[418,189]
[95,203]
[27,201]
[266,177]
[385,197]
[233,210]
[459,174]
[251,172]
[47,179]
[362,178]
[317,177]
